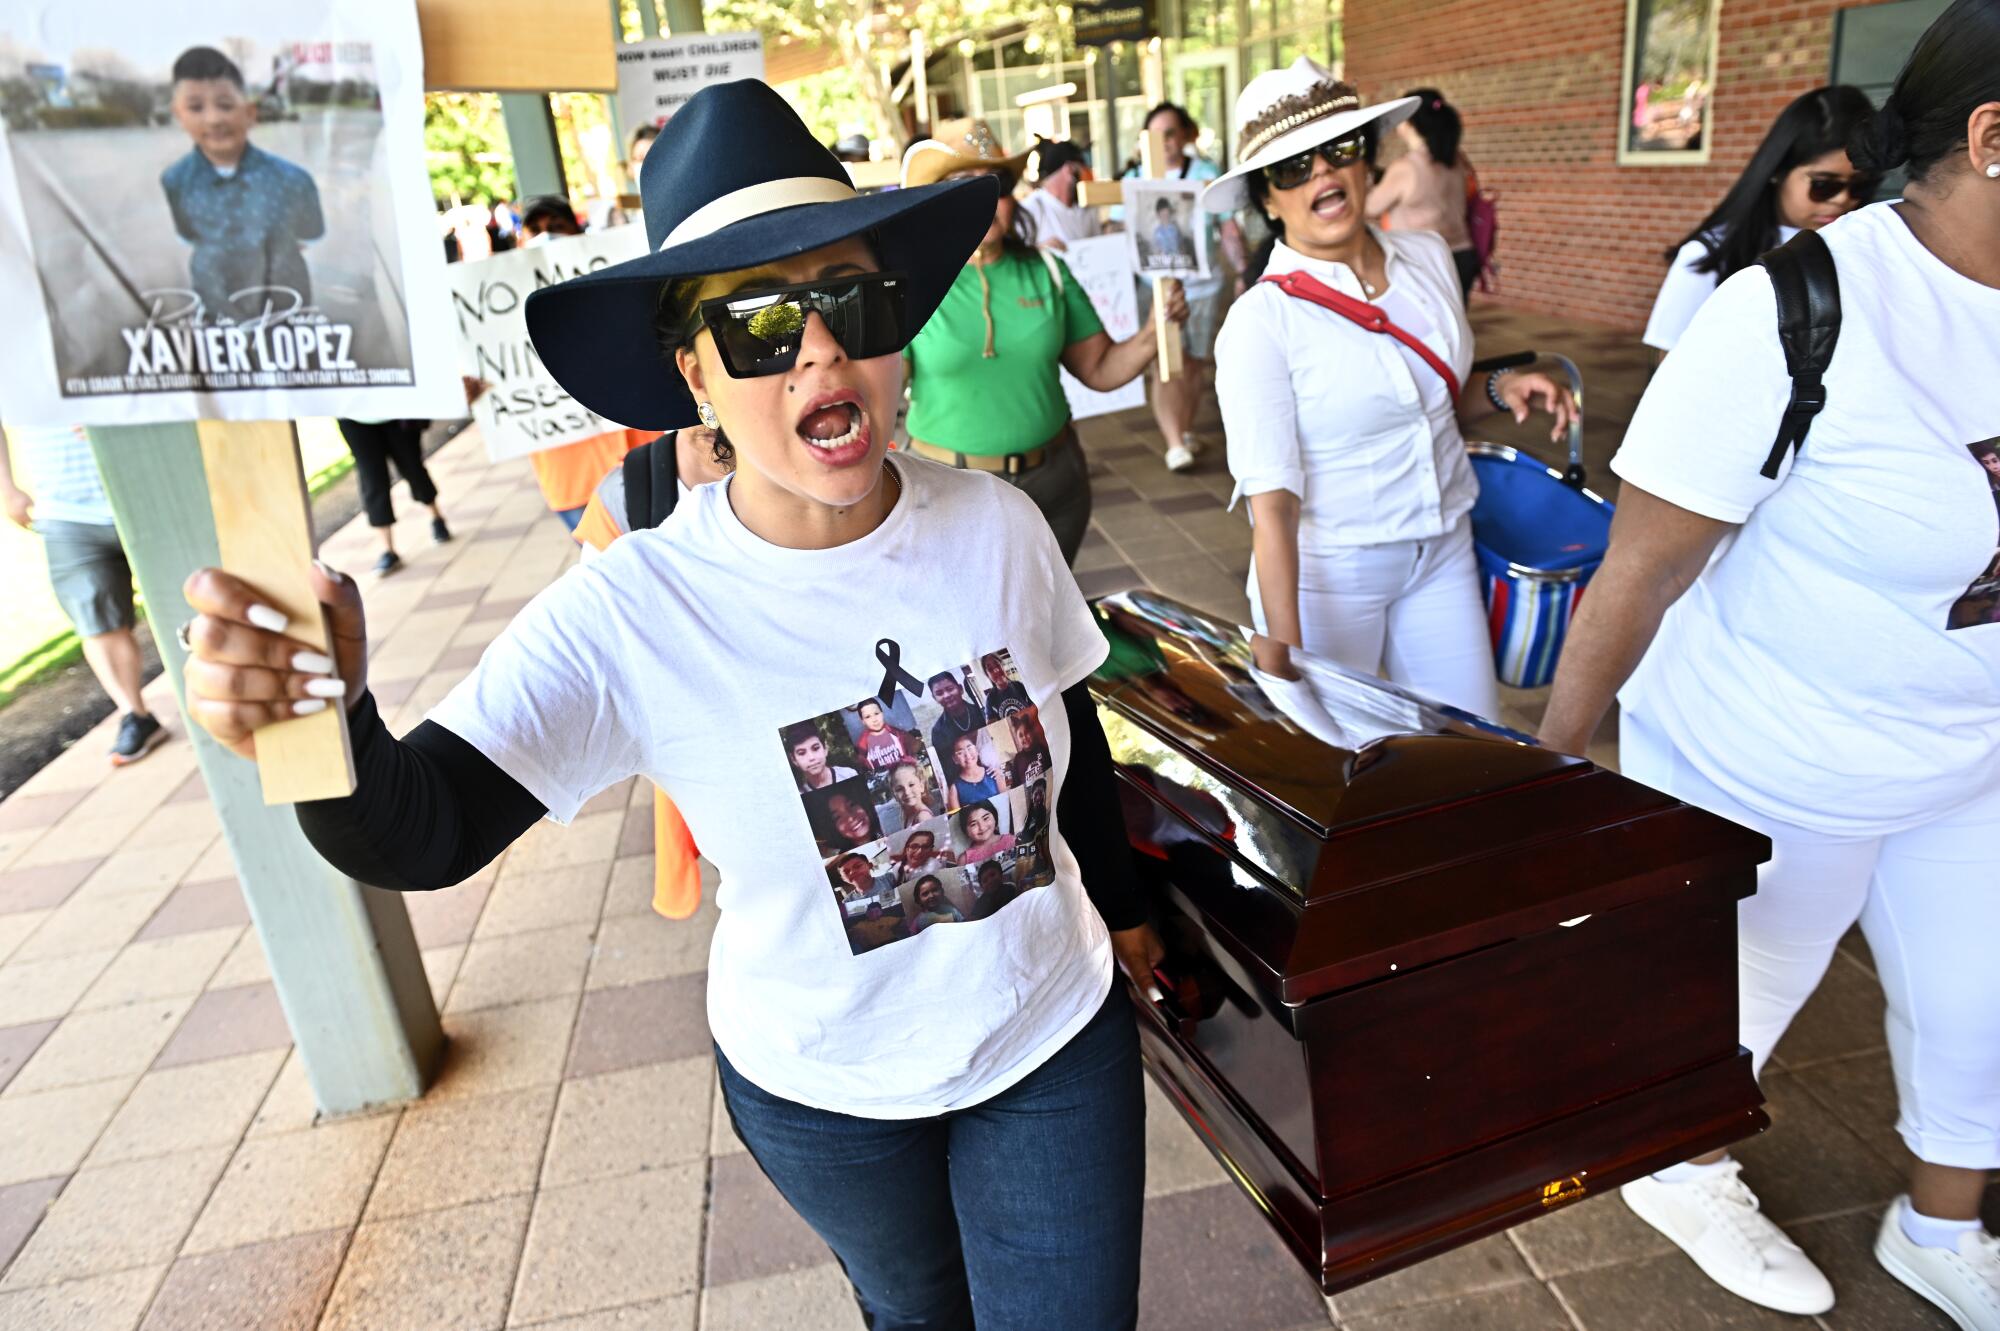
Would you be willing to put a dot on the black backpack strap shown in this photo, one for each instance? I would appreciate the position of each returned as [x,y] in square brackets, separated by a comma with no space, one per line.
[1807,285]
[666,477]
[639,488]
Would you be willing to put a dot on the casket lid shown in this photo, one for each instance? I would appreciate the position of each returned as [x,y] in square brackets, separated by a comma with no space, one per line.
[1396,832]
[1331,751]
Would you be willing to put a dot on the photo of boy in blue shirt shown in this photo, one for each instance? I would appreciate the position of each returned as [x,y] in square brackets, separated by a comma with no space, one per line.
[1169,241]
[246,212]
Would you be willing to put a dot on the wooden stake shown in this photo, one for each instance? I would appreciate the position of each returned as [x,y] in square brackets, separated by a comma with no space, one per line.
[1153,165]
[263,528]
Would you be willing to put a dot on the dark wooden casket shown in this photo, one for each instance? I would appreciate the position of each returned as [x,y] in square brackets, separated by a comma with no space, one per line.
[1425,980]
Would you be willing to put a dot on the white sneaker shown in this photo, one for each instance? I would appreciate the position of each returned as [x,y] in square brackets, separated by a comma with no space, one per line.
[1180,457]
[1965,1284]
[1715,1221]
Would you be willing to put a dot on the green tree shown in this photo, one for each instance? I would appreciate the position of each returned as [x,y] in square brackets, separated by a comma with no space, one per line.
[465,143]
[872,37]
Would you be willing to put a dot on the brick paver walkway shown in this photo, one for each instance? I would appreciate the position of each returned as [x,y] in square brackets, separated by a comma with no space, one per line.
[160,1166]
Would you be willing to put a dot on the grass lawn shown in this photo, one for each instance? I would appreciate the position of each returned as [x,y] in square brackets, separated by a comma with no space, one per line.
[34,636]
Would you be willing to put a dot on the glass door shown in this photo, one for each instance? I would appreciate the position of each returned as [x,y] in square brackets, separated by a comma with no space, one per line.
[1205,83]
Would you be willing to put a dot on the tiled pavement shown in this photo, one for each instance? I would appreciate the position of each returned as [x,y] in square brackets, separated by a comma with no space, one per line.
[160,1167]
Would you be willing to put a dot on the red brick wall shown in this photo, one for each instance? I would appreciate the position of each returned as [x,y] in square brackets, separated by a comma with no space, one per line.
[1538,83]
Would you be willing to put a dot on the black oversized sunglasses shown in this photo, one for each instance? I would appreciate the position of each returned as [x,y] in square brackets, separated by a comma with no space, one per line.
[1825,189]
[1296,171]
[758,332]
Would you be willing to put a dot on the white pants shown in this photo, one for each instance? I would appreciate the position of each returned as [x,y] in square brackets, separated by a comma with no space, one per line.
[1928,900]
[1409,611]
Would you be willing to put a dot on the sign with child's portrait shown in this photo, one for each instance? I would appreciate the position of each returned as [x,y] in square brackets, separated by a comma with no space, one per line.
[1164,225]
[220,212]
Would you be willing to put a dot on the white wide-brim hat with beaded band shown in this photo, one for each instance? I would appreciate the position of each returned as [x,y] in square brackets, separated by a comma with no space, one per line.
[1283,112]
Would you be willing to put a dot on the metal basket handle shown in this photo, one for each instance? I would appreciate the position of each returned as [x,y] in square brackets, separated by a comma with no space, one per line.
[1574,475]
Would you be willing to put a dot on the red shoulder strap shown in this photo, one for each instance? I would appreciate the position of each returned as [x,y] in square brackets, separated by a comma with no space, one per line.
[1304,286]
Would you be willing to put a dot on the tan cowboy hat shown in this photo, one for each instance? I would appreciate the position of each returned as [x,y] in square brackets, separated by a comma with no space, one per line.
[959,145]
[1283,112]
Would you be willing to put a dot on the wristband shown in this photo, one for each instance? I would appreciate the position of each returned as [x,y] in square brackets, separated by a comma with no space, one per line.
[1493,392]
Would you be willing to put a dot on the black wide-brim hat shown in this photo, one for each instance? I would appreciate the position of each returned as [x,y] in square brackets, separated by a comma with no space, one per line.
[736,180]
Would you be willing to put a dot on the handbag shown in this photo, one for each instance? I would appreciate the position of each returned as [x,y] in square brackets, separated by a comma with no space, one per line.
[1304,286]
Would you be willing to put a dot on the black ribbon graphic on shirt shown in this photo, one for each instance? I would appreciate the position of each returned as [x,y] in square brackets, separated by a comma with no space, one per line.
[890,653]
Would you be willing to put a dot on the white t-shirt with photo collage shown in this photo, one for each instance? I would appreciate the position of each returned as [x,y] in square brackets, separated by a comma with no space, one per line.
[1837,667]
[897,937]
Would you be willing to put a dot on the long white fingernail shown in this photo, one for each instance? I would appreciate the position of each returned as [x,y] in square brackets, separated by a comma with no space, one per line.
[264,617]
[326,688]
[308,707]
[312,663]
[332,573]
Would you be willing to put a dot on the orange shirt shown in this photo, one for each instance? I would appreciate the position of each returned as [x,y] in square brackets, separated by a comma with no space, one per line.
[569,474]
[676,858]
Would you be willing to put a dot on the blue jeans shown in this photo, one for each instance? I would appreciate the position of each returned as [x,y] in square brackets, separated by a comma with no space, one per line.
[1025,1208]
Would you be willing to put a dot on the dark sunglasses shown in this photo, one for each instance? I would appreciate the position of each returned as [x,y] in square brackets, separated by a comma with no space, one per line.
[1825,189]
[1296,171]
[758,332]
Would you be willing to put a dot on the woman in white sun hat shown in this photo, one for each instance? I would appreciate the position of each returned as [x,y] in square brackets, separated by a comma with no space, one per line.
[1342,375]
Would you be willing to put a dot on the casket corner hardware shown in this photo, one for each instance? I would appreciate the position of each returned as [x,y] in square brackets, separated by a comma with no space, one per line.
[1562,1191]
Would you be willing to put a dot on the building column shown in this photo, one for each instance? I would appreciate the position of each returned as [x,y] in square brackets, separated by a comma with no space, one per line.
[531,141]
[342,955]
[684,16]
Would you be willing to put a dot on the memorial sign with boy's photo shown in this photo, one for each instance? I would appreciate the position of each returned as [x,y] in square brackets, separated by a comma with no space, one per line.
[218,213]
[523,409]
[1163,225]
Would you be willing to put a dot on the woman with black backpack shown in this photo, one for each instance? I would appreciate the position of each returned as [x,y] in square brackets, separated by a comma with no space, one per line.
[1821,680]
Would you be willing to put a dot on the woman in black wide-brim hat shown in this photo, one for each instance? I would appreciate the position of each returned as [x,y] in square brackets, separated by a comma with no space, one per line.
[956,1111]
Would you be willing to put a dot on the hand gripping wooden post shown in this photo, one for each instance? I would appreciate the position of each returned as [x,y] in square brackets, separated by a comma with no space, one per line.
[256,487]
[1153,165]
[263,527]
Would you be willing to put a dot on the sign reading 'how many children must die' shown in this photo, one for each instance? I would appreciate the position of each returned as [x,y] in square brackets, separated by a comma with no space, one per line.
[524,409]
[655,77]
[217,212]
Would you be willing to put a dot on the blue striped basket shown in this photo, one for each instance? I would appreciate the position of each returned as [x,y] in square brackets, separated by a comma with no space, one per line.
[1539,540]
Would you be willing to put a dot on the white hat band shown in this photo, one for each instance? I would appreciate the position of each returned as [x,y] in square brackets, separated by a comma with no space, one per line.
[753,201]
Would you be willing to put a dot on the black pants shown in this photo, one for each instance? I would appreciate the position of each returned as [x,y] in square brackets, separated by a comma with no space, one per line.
[1467,262]
[377,443]
[1060,487]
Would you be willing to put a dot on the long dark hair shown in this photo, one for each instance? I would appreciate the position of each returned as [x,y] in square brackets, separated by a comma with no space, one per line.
[1020,237]
[1437,123]
[1954,68]
[1260,195]
[1745,224]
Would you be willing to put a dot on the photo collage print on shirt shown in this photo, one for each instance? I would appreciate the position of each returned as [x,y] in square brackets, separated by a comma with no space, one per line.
[929,801]
[1981,602]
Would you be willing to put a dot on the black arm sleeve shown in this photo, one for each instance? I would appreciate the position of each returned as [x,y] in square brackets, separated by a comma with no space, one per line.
[427,811]
[1092,823]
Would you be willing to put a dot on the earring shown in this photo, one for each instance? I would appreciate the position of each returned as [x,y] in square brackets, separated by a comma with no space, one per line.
[707,413]
[1993,170]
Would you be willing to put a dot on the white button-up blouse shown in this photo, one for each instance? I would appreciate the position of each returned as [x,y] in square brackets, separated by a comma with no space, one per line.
[1353,422]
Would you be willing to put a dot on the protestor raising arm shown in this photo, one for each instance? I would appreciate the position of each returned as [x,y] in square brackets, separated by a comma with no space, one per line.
[762,611]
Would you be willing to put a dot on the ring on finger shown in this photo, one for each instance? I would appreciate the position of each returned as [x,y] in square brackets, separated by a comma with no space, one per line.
[184,635]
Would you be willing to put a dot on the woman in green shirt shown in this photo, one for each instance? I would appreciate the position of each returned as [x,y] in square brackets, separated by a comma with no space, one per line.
[984,389]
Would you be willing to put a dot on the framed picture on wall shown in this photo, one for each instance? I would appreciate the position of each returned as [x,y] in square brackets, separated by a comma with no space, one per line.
[1669,84]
